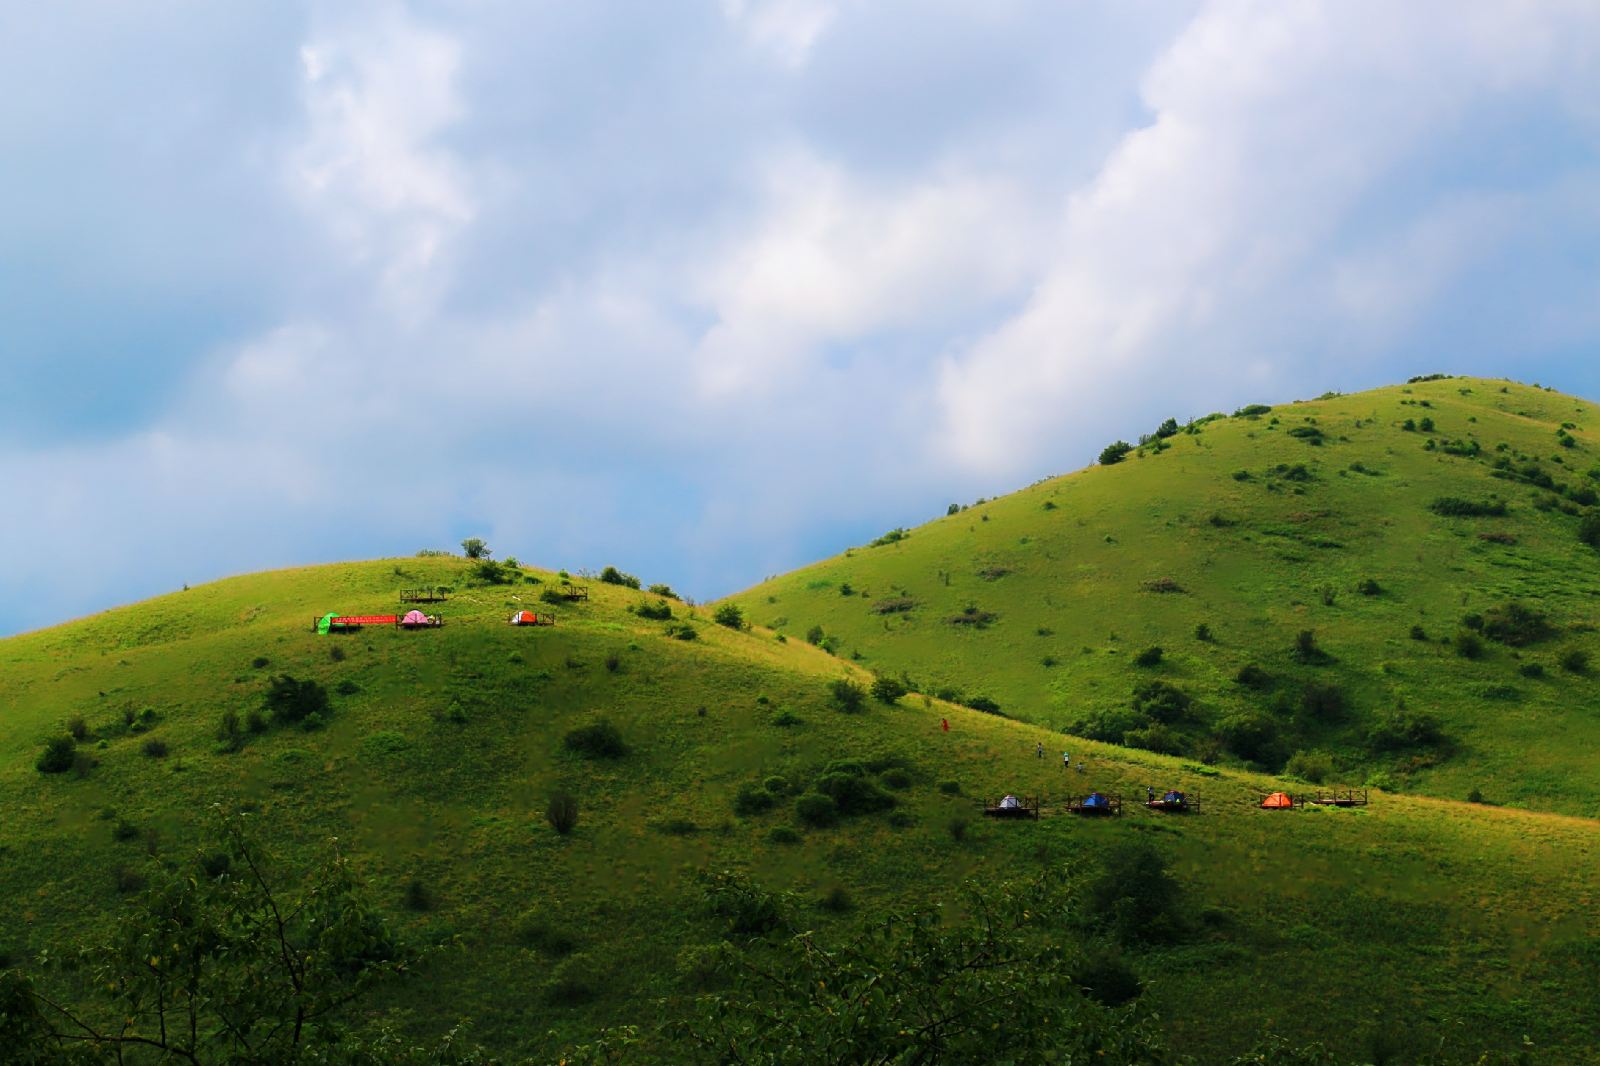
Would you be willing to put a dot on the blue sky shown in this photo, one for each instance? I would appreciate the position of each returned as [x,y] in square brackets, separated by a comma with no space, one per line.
[707,290]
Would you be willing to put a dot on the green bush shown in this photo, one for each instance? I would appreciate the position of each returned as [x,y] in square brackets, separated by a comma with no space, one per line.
[1252,676]
[1133,896]
[847,695]
[1115,453]
[1250,735]
[1469,645]
[1306,650]
[1313,766]
[599,740]
[612,576]
[957,827]
[752,799]
[748,909]
[1161,701]
[896,778]
[1109,725]
[836,901]
[1107,978]
[664,591]
[775,785]
[1533,670]
[58,755]
[816,810]
[853,794]
[730,615]
[574,981]
[950,788]
[1575,661]
[782,834]
[1322,702]
[888,689]
[290,701]
[562,812]
[155,748]
[1151,656]
[1155,737]
[1589,529]
[1369,587]
[658,611]
[1405,728]
[538,931]
[1516,625]
[1455,507]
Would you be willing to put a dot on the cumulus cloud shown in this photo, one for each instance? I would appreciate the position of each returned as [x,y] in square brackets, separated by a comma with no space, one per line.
[710,291]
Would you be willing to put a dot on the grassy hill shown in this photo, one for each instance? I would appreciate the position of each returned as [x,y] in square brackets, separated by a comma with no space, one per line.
[1412,925]
[1428,537]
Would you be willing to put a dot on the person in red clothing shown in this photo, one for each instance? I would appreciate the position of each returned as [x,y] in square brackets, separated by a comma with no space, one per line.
[944,724]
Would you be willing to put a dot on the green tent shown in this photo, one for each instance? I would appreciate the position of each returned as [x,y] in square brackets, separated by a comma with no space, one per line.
[325,623]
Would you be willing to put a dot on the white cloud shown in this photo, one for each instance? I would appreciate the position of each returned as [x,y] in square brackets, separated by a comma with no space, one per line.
[788,28]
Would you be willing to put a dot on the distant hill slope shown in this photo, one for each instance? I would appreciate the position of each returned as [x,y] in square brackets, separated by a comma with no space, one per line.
[1449,640]
[1415,923]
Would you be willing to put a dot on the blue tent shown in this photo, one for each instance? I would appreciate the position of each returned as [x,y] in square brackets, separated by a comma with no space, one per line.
[1096,801]
[1173,797]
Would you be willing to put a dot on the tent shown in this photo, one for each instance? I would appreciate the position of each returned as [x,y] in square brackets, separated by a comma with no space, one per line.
[1096,801]
[415,618]
[325,623]
[1278,801]
[1173,796]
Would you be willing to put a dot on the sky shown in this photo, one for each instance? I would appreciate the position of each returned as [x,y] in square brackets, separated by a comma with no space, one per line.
[710,289]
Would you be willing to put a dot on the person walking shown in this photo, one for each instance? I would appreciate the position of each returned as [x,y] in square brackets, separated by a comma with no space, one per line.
[1040,751]
[1066,761]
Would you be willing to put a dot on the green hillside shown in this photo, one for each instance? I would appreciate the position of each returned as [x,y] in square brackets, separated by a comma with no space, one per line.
[1415,926]
[1436,540]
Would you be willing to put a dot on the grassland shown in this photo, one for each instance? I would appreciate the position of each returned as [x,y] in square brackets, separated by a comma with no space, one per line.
[1415,922]
[1321,516]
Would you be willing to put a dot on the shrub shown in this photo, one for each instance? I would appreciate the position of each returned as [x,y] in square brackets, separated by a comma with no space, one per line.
[685,631]
[782,834]
[664,591]
[1322,702]
[775,785]
[597,740]
[984,704]
[613,662]
[957,827]
[1516,624]
[1156,737]
[751,799]
[950,788]
[538,932]
[77,728]
[730,615]
[1161,701]
[1418,633]
[260,661]
[1202,632]
[127,880]
[1405,729]
[574,981]
[1250,735]
[1115,453]
[658,611]
[894,605]
[1161,584]
[749,909]
[972,616]
[58,755]
[228,731]
[1531,670]
[418,897]
[847,695]
[255,722]
[1455,507]
[1109,725]
[1313,766]
[816,810]
[550,594]
[1151,656]
[289,700]
[814,635]
[786,720]
[475,548]
[1469,646]
[1369,587]
[612,576]
[1575,661]
[1107,978]
[1589,529]
[562,812]
[1475,796]
[854,794]
[888,689]
[155,748]
[896,778]
[336,653]
[1254,410]
[1252,676]
[836,900]
[1133,895]
[1306,650]
[894,536]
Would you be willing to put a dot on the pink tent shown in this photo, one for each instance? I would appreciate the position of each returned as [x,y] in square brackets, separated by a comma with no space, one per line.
[414,618]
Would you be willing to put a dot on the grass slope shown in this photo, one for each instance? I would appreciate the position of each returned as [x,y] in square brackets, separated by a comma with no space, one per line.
[1263,525]
[1414,922]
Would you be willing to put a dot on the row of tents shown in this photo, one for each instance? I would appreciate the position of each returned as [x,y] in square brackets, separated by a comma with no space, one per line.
[1172,801]
[345,623]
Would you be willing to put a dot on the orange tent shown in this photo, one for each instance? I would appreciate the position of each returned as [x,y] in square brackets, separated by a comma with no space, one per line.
[1278,801]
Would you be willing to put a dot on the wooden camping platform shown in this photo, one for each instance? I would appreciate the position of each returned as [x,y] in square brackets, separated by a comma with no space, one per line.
[1081,805]
[1338,797]
[1189,804]
[433,622]
[422,596]
[537,619]
[1029,808]
[572,592]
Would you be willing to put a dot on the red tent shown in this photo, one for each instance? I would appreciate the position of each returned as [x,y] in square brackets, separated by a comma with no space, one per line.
[1278,801]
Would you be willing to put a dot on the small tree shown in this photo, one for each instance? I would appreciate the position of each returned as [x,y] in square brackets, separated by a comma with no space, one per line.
[730,615]
[289,700]
[847,695]
[475,548]
[58,755]
[1115,453]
